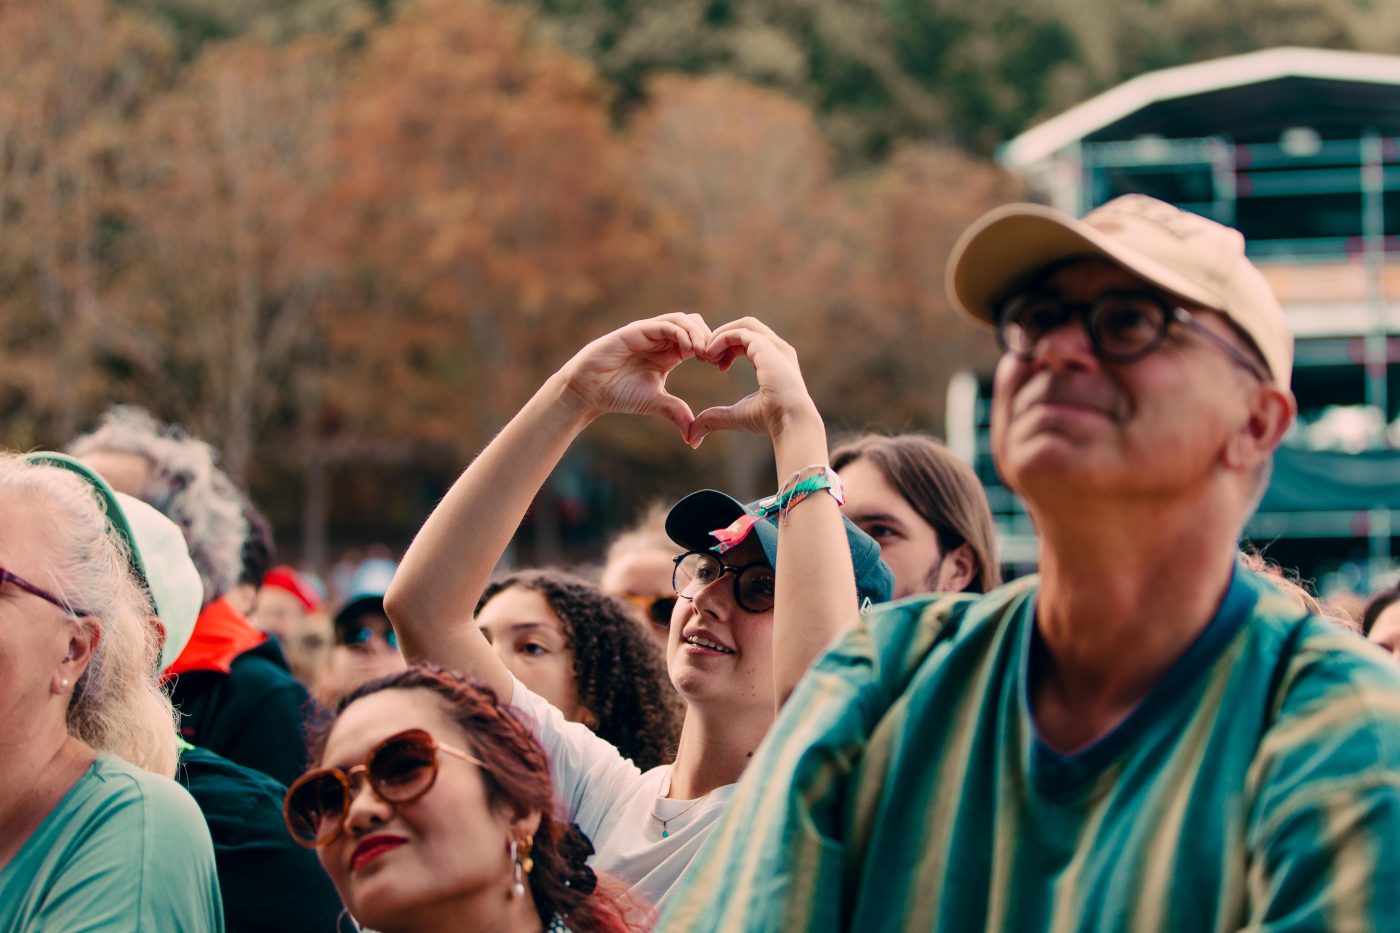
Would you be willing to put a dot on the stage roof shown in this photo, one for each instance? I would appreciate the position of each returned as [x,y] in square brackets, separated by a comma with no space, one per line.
[1248,98]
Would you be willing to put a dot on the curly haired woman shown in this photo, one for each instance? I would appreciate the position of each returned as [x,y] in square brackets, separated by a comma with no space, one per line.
[580,649]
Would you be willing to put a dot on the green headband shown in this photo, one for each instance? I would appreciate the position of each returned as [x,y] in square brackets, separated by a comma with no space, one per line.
[116,517]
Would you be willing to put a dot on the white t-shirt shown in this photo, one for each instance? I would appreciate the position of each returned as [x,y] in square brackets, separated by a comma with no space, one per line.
[613,803]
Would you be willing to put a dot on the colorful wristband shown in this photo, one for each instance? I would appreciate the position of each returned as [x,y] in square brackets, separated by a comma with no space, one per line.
[797,488]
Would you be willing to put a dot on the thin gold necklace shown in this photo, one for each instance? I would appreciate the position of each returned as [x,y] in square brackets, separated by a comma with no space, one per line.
[695,803]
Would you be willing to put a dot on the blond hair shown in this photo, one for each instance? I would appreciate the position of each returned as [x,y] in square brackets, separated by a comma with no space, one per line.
[648,533]
[117,704]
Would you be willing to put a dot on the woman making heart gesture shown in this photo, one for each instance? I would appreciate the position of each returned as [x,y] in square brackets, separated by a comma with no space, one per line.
[752,615]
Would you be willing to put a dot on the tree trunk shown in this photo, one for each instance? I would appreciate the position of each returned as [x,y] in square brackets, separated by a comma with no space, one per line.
[315,510]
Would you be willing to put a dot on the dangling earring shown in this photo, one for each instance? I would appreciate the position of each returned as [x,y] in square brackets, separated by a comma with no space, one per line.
[518,888]
[524,864]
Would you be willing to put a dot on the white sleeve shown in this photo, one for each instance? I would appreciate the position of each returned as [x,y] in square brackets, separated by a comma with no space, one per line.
[589,773]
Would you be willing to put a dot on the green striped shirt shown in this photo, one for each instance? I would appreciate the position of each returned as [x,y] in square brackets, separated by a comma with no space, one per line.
[904,787]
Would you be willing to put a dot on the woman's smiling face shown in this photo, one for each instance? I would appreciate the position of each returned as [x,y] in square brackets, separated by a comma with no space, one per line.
[720,652]
[427,858]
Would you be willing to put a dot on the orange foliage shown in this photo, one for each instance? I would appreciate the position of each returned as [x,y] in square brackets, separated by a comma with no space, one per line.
[849,271]
[483,204]
[226,178]
[319,255]
[741,181]
[916,208]
[71,72]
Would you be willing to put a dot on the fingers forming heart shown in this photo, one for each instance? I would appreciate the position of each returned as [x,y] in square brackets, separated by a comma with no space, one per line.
[669,406]
[745,416]
[628,373]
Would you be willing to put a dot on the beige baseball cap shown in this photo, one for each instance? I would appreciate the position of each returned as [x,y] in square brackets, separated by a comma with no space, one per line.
[1185,254]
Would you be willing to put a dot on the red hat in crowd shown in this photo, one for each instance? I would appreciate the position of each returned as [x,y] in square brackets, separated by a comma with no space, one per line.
[285,577]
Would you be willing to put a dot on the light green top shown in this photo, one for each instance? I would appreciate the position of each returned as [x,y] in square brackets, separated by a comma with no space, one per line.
[123,850]
[904,786]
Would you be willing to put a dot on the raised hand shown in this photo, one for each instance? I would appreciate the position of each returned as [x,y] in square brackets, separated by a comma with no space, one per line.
[782,393]
[625,371]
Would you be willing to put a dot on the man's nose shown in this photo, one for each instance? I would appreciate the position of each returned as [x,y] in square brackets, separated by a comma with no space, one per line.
[1067,347]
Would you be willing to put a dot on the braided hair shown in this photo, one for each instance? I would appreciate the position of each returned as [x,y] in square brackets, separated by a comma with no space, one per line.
[619,672]
[517,779]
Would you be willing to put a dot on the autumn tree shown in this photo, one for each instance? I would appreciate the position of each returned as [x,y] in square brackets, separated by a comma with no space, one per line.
[73,72]
[223,290]
[916,207]
[741,181]
[483,200]
[485,225]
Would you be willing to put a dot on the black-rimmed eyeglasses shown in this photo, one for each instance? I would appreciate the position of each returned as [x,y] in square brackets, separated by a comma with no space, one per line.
[7,576]
[1123,326]
[753,583]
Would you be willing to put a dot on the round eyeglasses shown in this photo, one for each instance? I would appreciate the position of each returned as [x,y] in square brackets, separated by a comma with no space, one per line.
[1123,326]
[401,769]
[753,583]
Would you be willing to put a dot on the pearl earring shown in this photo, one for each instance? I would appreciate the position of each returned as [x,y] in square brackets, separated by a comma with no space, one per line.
[63,683]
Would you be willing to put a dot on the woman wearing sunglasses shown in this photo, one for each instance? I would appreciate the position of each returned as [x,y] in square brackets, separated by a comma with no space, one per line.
[94,834]
[751,615]
[433,810]
[579,649]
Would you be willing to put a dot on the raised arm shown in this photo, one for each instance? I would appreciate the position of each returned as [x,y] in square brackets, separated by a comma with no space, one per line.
[434,594]
[815,598]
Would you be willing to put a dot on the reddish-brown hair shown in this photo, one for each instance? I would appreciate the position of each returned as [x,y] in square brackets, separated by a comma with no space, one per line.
[518,781]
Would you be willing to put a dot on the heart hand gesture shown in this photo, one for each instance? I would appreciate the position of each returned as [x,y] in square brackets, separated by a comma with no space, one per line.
[782,394]
[625,371]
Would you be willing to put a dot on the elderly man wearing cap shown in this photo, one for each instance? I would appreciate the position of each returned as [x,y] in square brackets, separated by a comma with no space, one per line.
[1147,736]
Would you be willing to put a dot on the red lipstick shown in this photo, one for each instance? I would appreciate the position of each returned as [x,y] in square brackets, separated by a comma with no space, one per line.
[371,848]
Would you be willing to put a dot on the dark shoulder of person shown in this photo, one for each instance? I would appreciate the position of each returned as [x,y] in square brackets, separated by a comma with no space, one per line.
[256,715]
[269,883]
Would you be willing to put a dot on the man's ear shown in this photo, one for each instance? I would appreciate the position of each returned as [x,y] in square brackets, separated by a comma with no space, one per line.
[1271,412]
[959,568]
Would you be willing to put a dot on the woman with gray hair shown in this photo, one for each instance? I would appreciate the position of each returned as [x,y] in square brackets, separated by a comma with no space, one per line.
[93,833]
[234,690]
